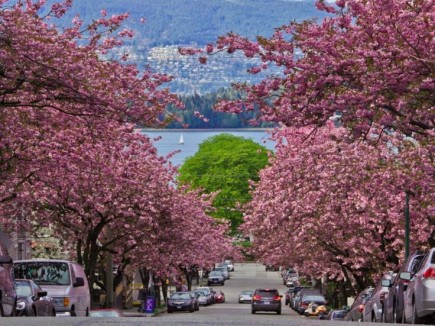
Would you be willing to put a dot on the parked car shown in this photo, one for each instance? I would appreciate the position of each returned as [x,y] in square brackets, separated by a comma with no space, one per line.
[297,304]
[181,301]
[8,295]
[357,308]
[335,314]
[272,268]
[64,281]
[245,296]
[266,300]
[219,297]
[206,296]
[230,265]
[293,296]
[108,312]
[287,296]
[393,300]
[373,309]
[290,276]
[224,271]
[32,300]
[309,298]
[216,277]
[419,297]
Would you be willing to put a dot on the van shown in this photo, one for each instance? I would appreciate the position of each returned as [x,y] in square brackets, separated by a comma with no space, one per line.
[8,295]
[65,282]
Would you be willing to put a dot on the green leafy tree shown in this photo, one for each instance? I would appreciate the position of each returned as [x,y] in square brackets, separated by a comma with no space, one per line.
[225,164]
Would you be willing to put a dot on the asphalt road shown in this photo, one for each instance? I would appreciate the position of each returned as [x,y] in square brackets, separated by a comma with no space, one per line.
[246,276]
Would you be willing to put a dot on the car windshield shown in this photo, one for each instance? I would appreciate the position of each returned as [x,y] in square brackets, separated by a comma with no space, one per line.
[43,272]
[315,298]
[217,273]
[178,296]
[23,289]
[246,292]
[201,293]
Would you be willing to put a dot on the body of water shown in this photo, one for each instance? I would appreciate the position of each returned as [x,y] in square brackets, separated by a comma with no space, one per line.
[170,140]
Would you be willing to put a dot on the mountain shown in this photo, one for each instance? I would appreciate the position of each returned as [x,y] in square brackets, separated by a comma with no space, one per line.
[175,22]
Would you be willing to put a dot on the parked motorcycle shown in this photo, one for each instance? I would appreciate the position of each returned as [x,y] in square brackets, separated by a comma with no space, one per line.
[315,309]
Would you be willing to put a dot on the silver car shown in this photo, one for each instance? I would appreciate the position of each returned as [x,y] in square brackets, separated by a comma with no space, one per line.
[224,271]
[419,297]
[246,296]
[393,300]
[373,308]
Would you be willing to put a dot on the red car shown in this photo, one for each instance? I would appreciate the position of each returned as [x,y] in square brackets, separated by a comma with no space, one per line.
[219,297]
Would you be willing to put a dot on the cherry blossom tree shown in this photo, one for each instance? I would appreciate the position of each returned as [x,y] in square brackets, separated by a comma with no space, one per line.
[333,206]
[69,154]
[369,65]
[369,61]
[52,79]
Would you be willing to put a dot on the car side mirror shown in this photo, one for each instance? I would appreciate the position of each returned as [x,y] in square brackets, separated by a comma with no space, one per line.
[41,294]
[406,276]
[79,282]
[386,283]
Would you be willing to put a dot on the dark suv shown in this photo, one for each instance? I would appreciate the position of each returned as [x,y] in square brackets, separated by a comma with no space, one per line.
[266,300]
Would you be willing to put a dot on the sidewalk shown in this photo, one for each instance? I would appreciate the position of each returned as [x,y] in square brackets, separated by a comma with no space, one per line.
[133,312]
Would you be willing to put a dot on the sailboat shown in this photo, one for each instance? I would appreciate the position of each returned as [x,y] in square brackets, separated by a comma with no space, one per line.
[181,141]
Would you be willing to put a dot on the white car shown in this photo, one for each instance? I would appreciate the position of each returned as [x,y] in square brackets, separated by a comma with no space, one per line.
[419,297]
[245,296]
[230,265]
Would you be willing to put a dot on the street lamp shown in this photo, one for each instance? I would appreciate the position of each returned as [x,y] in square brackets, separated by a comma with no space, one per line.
[407,194]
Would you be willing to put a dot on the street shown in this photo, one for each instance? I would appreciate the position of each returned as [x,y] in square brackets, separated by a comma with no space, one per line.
[245,277]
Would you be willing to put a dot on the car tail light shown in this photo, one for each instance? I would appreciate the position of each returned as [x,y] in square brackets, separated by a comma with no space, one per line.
[219,297]
[256,297]
[429,273]
[361,308]
[304,304]
[277,298]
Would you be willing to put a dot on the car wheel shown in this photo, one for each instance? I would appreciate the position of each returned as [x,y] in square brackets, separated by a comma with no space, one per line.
[192,309]
[415,319]
[53,313]
[373,318]
[253,311]
[170,311]
[278,312]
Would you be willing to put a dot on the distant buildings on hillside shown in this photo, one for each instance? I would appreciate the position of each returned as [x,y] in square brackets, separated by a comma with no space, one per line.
[192,77]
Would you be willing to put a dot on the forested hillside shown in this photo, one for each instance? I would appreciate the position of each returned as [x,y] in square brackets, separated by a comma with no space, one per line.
[204,104]
[173,22]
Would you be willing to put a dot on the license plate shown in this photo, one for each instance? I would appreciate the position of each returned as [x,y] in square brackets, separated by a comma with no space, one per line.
[178,307]
[266,302]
